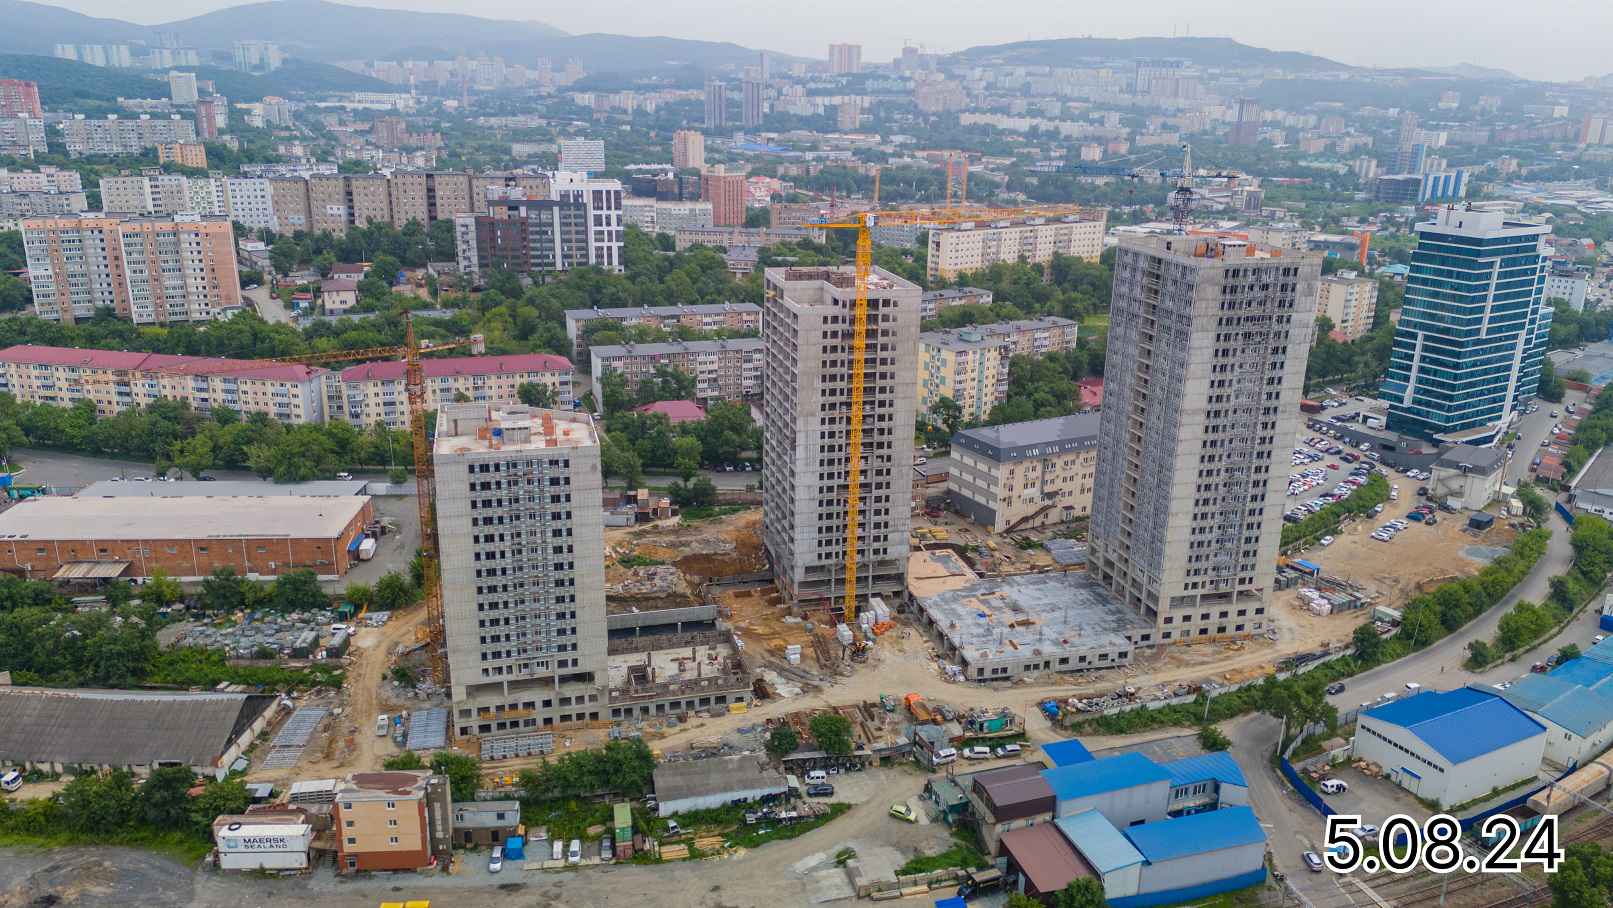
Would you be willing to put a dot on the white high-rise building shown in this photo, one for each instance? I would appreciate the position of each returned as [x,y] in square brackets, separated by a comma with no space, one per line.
[182,87]
[250,202]
[585,156]
[603,199]
[807,324]
[1208,341]
[523,567]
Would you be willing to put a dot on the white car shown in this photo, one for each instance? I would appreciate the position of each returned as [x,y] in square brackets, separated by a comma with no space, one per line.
[977,753]
[1327,540]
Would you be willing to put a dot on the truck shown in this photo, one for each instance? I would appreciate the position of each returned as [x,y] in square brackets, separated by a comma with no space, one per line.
[917,706]
[1372,422]
[1310,406]
[366,549]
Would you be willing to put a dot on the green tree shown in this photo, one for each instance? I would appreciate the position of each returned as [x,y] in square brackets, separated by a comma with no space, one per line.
[223,591]
[613,392]
[1085,892]
[406,760]
[536,394]
[164,801]
[1535,506]
[361,595]
[701,493]
[297,591]
[1368,645]
[397,476]
[394,591]
[194,455]
[162,590]
[228,797]
[782,741]
[1583,879]
[832,732]
[283,255]
[1567,652]
[464,773]
[1551,386]
[686,456]
[1212,740]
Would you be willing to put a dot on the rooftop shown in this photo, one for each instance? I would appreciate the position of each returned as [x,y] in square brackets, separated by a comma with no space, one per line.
[947,293]
[121,727]
[1031,615]
[1015,791]
[1460,724]
[714,776]
[1197,833]
[613,351]
[830,286]
[1036,438]
[1475,459]
[1099,841]
[1045,856]
[934,571]
[57,517]
[478,429]
[401,783]
[1067,752]
[392,370]
[675,410]
[578,315]
[1080,780]
[157,363]
[1208,252]
[1219,767]
[223,489]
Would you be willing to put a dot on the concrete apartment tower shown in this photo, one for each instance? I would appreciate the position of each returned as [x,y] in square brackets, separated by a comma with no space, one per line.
[523,569]
[1208,341]
[806,334]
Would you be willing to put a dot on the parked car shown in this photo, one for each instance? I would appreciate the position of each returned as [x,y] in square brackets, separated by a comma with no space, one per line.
[1337,687]
[1333,786]
[574,852]
[820,790]
[344,476]
[903,812]
[559,851]
[672,828]
[496,862]
[1313,861]
[607,848]
[11,781]
[977,753]
[1007,750]
[1327,540]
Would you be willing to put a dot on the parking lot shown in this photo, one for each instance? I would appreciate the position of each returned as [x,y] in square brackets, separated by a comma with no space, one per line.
[1373,800]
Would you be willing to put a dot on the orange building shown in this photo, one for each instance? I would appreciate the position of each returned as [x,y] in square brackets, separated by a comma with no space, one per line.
[391,821]
[185,154]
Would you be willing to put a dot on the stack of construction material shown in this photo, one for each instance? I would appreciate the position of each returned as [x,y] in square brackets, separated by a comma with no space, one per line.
[843,634]
[792,654]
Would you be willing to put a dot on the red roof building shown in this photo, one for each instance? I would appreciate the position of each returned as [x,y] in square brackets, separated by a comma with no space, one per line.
[372,391]
[675,411]
[1091,392]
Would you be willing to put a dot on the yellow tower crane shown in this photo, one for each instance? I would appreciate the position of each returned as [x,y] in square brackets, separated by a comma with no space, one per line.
[864,224]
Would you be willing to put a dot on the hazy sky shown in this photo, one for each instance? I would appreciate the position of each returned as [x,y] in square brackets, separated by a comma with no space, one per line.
[1545,39]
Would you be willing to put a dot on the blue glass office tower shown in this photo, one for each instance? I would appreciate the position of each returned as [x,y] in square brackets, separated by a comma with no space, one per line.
[1473,329]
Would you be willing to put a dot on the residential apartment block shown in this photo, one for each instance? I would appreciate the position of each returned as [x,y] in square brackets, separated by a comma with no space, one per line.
[807,325]
[394,820]
[19,98]
[335,202]
[122,135]
[185,154]
[933,301]
[523,573]
[752,237]
[1208,342]
[1473,329]
[1025,474]
[151,271]
[247,200]
[15,206]
[1349,301]
[723,369]
[705,317]
[45,179]
[374,392]
[956,248]
[579,223]
[582,155]
[726,193]
[970,365]
[656,216]
[22,136]
[688,150]
[117,380]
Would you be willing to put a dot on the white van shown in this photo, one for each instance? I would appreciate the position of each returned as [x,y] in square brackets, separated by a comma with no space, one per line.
[1333,786]
[1007,750]
[816,775]
[945,755]
[558,853]
[11,781]
[574,853]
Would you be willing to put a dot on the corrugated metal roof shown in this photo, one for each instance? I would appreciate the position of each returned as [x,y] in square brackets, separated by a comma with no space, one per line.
[1098,776]
[1460,724]
[1583,672]
[1579,706]
[1099,841]
[1068,752]
[121,728]
[1218,766]
[1046,856]
[90,570]
[1196,833]
[1602,652]
[717,775]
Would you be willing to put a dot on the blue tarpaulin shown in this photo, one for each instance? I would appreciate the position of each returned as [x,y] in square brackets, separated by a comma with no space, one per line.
[353,546]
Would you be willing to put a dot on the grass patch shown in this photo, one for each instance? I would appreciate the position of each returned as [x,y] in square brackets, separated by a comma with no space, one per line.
[187,849]
[752,836]
[695,514]
[568,819]
[633,561]
[963,853]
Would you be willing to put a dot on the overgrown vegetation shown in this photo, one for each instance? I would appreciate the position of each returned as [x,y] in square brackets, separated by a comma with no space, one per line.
[1527,623]
[1368,495]
[111,809]
[964,853]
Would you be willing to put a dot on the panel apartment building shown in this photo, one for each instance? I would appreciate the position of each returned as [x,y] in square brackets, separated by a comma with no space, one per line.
[579,223]
[374,392]
[1350,302]
[1208,342]
[523,573]
[1473,329]
[335,202]
[807,335]
[244,199]
[956,248]
[701,317]
[151,271]
[123,135]
[970,365]
[117,380]
[722,369]
[22,136]
[1025,474]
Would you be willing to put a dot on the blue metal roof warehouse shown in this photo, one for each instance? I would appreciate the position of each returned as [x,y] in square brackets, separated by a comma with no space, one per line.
[1454,746]
[1216,830]
[1067,752]
[1081,780]
[1460,724]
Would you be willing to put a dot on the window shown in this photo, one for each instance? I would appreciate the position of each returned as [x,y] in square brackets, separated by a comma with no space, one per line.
[392,840]
[392,823]
[352,840]
[392,805]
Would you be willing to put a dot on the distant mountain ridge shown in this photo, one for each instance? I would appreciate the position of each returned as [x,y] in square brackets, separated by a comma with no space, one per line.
[63,82]
[1202,51]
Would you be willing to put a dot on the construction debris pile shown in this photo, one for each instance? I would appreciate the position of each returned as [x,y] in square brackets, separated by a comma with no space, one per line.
[654,580]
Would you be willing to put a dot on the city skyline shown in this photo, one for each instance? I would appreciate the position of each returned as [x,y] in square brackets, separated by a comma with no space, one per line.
[1352,35]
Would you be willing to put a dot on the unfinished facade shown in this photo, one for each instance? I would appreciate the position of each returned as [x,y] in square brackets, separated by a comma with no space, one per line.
[807,324]
[651,677]
[1208,341]
[523,573]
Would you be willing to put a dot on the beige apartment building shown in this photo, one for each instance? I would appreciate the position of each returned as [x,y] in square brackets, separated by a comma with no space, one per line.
[523,571]
[374,392]
[1025,474]
[1350,302]
[185,154]
[970,365]
[151,271]
[688,150]
[723,369]
[395,820]
[117,380]
[703,317]
[957,248]
[334,202]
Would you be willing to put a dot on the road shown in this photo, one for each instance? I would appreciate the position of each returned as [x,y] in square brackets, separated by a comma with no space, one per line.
[269,307]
